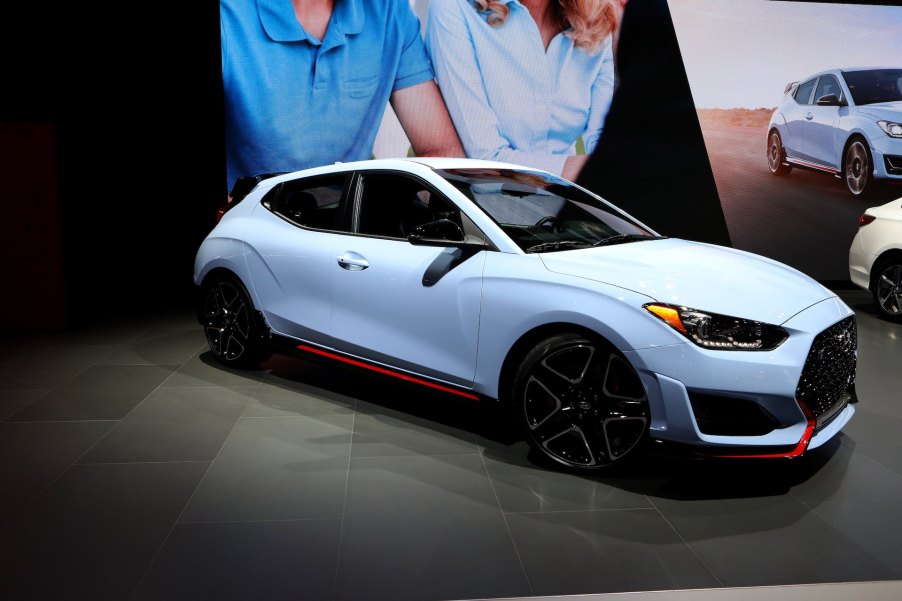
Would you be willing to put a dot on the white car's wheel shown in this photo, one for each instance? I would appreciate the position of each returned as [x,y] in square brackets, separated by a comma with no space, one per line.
[776,156]
[858,169]
[230,323]
[888,288]
[580,402]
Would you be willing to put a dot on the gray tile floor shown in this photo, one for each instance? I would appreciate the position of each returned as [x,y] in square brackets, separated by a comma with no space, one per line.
[133,467]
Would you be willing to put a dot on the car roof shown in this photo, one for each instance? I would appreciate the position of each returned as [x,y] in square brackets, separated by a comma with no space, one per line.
[411,165]
[845,69]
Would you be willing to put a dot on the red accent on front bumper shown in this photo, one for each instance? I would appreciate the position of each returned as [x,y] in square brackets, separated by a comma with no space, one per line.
[800,448]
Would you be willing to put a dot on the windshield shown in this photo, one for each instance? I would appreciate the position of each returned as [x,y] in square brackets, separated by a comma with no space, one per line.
[876,85]
[543,213]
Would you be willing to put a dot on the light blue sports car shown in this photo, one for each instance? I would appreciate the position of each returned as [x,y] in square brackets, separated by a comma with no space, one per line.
[489,281]
[847,122]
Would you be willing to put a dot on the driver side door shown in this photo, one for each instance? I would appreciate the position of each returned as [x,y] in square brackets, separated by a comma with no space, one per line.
[383,309]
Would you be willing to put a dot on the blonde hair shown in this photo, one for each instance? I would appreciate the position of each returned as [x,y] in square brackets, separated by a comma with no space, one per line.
[590,21]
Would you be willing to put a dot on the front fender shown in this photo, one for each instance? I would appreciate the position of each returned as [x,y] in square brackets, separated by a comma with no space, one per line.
[519,295]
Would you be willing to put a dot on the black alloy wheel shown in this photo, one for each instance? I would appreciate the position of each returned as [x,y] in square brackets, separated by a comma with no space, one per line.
[776,156]
[888,288]
[580,402]
[230,324]
[858,168]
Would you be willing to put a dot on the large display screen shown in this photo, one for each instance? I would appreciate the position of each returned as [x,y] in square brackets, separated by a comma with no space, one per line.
[792,180]
[789,96]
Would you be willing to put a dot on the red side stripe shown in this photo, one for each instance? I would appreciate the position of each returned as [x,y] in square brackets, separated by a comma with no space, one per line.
[387,372]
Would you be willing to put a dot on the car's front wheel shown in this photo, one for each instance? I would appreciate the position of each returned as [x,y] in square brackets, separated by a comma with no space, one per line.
[888,288]
[580,402]
[230,323]
[776,156]
[858,169]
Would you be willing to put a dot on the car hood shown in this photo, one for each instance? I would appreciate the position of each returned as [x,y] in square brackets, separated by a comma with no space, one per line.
[701,276]
[891,111]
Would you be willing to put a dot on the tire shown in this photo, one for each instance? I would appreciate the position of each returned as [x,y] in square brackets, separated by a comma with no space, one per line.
[232,327]
[858,168]
[887,288]
[580,403]
[776,155]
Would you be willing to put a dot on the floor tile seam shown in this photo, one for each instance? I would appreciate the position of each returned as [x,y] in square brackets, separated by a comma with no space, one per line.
[80,457]
[52,389]
[841,534]
[878,462]
[510,533]
[145,462]
[412,455]
[294,416]
[62,421]
[63,383]
[344,505]
[175,523]
[269,521]
[127,342]
[571,511]
[686,543]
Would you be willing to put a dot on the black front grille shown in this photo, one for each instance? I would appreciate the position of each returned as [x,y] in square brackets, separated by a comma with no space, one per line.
[828,378]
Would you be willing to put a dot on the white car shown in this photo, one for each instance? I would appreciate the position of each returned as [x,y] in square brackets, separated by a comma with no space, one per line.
[875,257]
[490,282]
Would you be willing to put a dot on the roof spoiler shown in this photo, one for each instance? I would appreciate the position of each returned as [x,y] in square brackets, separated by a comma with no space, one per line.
[789,86]
[244,184]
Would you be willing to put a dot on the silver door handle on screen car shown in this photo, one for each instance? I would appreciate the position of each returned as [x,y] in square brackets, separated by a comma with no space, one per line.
[809,116]
[352,264]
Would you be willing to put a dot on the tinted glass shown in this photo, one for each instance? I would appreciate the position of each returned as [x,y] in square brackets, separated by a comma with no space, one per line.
[827,85]
[543,213]
[314,202]
[803,94]
[392,205]
[876,85]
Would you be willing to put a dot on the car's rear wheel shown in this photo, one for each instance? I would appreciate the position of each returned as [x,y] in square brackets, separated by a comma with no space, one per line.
[858,168]
[231,324]
[776,156]
[888,288]
[580,402]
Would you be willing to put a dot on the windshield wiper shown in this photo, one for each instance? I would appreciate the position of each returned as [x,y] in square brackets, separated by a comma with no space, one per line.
[559,245]
[622,238]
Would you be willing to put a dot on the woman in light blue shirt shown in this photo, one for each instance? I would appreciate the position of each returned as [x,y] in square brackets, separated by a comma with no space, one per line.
[524,79]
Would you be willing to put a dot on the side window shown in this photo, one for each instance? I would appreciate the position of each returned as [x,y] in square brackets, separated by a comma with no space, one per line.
[825,86]
[392,205]
[314,202]
[803,94]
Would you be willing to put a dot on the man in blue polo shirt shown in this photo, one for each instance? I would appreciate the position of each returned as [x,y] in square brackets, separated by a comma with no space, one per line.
[307,81]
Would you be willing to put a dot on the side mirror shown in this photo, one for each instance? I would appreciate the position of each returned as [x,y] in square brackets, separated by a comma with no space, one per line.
[830,100]
[437,233]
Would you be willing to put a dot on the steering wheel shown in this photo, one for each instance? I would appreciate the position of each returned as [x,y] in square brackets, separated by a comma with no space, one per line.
[549,222]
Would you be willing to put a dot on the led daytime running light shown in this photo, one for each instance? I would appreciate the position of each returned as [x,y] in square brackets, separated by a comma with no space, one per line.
[892,129]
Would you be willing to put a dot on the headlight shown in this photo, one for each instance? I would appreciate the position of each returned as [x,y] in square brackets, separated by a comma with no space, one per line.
[892,129]
[719,332]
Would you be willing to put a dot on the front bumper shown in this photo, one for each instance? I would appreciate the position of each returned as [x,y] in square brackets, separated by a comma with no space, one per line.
[677,376]
[887,153]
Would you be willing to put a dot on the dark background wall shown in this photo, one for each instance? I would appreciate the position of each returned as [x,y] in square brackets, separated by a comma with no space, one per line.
[134,100]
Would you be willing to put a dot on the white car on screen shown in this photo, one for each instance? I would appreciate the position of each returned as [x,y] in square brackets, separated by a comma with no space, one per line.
[492,282]
[875,257]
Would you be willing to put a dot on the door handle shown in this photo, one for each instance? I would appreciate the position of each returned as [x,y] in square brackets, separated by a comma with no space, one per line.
[352,264]
[809,116]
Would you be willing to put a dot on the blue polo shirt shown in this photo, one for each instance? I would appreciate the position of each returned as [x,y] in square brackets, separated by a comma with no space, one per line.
[292,101]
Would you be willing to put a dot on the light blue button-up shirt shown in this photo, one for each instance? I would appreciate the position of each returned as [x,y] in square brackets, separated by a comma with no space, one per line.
[510,99]
[293,101]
